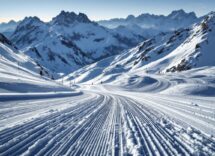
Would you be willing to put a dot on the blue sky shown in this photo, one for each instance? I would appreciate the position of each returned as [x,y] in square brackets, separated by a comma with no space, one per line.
[98,9]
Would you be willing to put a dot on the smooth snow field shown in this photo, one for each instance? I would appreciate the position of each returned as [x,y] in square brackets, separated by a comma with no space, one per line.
[134,115]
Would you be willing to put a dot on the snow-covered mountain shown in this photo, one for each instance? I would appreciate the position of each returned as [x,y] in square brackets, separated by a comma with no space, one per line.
[70,41]
[7,28]
[183,50]
[18,62]
[19,73]
[176,51]
[154,23]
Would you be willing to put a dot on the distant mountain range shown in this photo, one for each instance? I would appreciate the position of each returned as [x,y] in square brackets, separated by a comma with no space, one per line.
[71,41]
[7,28]
[175,20]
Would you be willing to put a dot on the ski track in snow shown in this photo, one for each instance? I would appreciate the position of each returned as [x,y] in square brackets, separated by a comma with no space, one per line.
[99,124]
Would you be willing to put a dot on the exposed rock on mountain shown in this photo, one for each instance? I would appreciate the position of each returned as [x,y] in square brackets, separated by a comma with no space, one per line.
[176,51]
[70,41]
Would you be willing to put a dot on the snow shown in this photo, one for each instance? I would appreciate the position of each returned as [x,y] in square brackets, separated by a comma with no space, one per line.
[155,23]
[69,41]
[176,51]
[20,74]
[113,120]
[115,106]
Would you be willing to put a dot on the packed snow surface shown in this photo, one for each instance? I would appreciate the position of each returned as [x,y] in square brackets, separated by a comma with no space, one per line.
[137,114]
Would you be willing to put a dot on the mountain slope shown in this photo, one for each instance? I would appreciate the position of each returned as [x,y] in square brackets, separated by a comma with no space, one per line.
[167,52]
[18,73]
[69,41]
[195,50]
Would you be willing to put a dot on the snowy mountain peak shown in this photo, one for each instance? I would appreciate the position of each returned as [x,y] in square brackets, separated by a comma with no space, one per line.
[210,16]
[65,18]
[130,17]
[83,18]
[148,16]
[28,31]
[10,22]
[181,14]
[30,21]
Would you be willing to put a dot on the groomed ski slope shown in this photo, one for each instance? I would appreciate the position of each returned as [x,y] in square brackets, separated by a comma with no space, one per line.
[108,121]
